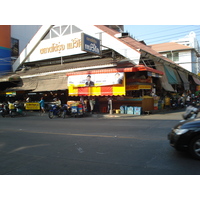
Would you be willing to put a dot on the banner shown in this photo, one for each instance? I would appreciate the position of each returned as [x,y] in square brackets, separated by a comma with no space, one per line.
[95,80]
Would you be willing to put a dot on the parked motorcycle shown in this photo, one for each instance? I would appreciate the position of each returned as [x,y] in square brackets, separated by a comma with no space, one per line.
[4,110]
[66,111]
[17,111]
[173,103]
[55,111]
[190,113]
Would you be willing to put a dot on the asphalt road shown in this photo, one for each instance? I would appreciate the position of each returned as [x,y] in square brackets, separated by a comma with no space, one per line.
[37,145]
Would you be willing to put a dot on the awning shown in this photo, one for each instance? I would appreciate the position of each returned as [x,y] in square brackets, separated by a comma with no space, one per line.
[26,84]
[164,81]
[115,70]
[184,78]
[196,80]
[51,84]
[172,76]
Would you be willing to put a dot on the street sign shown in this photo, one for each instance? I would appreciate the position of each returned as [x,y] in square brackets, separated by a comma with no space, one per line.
[90,44]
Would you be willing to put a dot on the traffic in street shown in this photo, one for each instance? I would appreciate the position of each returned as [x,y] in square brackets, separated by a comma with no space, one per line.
[92,145]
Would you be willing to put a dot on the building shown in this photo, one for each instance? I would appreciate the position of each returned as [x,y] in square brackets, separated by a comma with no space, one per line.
[13,39]
[59,58]
[184,52]
[5,50]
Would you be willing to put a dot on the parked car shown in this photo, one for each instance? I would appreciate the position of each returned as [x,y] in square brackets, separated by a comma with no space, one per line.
[186,135]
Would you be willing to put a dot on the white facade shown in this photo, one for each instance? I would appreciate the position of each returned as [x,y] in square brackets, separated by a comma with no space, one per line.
[189,59]
[184,59]
[62,42]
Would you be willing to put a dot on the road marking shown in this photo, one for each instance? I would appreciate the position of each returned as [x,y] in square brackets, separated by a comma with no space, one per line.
[83,135]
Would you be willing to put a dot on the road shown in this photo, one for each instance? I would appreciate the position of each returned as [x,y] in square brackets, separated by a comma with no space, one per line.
[37,145]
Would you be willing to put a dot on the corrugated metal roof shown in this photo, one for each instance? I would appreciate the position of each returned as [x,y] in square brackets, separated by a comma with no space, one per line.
[169,46]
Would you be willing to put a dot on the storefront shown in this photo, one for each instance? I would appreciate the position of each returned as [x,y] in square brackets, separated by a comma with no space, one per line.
[131,86]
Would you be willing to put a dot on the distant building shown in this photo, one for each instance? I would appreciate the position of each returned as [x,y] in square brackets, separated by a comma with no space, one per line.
[184,51]
[13,39]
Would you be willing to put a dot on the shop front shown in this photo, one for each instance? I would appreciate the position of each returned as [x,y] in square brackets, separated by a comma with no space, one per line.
[129,87]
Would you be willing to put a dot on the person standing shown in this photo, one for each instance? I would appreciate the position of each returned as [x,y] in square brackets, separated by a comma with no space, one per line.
[92,103]
[42,105]
[188,99]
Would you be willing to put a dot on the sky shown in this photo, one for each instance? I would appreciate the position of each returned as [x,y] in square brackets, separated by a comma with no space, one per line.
[155,34]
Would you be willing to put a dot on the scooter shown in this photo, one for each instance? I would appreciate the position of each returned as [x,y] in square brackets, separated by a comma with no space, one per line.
[190,113]
[4,110]
[55,112]
[17,111]
[66,111]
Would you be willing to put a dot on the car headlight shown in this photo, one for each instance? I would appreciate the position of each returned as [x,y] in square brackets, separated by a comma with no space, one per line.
[180,131]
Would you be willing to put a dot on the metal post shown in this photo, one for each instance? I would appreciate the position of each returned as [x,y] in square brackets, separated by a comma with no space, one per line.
[111,107]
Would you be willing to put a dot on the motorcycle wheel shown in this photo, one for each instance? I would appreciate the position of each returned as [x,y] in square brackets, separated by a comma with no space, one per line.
[3,114]
[12,114]
[60,113]
[51,115]
[63,114]
[23,114]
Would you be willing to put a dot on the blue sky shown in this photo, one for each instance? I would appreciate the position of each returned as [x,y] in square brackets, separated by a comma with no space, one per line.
[154,34]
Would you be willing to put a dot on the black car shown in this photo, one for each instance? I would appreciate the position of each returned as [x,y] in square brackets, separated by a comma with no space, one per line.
[186,135]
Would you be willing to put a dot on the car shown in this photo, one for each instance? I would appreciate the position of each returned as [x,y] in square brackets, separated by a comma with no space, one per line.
[186,136]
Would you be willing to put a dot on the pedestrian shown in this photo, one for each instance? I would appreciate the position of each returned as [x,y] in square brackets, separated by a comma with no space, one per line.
[188,98]
[42,105]
[96,105]
[92,103]
[109,104]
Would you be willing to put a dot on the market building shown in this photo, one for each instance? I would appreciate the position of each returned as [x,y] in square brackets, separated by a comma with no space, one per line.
[97,62]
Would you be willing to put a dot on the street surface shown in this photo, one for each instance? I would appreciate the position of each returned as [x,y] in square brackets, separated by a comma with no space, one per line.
[137,145]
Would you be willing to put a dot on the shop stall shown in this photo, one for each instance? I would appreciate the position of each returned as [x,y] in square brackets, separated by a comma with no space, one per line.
[131,87]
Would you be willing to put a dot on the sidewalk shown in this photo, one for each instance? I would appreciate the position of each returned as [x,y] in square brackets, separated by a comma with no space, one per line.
[164,111]
[114,115]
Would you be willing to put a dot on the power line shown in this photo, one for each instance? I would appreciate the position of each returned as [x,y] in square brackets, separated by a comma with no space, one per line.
[174,34]
[166,30]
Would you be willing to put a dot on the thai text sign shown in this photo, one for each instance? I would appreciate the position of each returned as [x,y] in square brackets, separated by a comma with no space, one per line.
[90,44]
[96,79]
[32,106]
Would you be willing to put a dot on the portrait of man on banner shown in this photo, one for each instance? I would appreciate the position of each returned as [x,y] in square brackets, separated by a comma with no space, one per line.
[89,82]
[118,78]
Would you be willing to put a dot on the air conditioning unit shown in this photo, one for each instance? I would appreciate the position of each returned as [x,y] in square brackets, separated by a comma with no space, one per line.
[120,35]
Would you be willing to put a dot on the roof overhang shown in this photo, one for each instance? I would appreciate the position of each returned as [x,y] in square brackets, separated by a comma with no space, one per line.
[115,70]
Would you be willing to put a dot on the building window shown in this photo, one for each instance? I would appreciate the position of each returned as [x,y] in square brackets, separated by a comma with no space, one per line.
[174,56]
[58,31]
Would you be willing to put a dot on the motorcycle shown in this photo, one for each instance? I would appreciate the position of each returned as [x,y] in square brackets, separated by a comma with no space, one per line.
[55,111]
[4,110]
[66,111]
[17,111]
[190,113]
[173,103]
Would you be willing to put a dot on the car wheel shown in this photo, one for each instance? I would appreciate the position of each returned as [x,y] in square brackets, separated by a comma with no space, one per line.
[194,147]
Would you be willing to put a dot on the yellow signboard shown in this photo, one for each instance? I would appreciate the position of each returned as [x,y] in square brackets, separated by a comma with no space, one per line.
[32,106]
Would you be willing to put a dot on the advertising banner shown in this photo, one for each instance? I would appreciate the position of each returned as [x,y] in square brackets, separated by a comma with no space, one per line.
[96,79]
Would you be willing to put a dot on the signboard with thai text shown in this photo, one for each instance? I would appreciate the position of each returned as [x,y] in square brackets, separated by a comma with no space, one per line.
[57,47]
[90,44]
